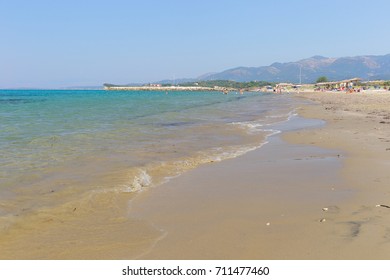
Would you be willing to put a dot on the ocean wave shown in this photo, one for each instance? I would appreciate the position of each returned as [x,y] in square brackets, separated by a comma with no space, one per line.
[140,181]
[156,174]
[251,127]
[272,132]
[286,117]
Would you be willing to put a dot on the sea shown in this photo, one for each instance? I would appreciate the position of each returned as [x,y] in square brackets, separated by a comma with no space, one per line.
[60,148]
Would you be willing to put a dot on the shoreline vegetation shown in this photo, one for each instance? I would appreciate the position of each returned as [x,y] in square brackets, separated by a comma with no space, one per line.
[216,85]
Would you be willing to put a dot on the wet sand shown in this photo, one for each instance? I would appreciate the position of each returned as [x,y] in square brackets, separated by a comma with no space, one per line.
[259,206]
[311,194]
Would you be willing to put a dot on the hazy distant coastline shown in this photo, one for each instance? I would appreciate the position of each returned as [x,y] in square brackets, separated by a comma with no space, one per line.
[167,88]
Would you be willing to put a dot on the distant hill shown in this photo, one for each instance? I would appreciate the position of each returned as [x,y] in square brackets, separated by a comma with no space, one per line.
[368,67]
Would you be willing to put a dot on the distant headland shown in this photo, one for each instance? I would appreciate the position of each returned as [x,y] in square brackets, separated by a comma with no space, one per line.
[165,88]
[216,85]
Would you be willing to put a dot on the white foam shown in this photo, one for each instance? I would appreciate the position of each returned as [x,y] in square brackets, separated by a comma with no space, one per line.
[272,132]
[142,180]
[233,152]
[288,116]
[251,127]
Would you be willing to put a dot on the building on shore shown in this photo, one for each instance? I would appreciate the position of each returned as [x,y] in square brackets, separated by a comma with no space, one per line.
[377,84]
[342,85]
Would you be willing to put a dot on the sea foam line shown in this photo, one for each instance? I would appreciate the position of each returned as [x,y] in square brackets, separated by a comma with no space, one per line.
[145,177]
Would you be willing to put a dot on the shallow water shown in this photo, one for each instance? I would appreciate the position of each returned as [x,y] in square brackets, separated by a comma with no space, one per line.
[59,147]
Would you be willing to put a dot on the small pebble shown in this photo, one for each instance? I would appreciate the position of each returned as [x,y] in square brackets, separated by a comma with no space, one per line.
[322,220]
[267,224]
[325,209]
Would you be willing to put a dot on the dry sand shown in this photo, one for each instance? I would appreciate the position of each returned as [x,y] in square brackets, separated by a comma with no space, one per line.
[358,124]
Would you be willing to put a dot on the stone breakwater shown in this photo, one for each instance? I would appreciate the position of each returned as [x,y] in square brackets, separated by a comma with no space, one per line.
[167,88]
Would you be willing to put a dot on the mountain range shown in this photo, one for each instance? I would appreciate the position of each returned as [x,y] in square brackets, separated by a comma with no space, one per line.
[368,67]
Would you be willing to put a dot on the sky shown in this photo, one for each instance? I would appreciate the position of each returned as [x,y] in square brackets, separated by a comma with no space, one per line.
[50,44]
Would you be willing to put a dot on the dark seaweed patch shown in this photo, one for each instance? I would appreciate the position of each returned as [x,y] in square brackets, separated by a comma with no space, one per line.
[176,124]
[20,101]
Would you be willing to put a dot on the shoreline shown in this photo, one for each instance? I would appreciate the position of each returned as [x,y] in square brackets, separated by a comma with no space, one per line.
[335,200]
[243,209]
[314,192]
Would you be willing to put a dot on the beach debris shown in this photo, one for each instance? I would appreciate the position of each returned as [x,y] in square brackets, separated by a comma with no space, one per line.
[268,224]
[322,220]
[382,205]
[74,209]
[331,209]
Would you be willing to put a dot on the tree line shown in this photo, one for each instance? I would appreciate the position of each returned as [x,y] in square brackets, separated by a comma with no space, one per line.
[228,84]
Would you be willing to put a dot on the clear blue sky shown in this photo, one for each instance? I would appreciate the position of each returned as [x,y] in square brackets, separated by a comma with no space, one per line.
[46,43]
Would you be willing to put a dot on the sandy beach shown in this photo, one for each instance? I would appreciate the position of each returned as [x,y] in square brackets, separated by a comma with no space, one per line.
[357,124]
[312,194]
[318,191]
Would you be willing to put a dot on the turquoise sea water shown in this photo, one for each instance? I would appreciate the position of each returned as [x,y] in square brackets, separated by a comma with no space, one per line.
[74,143]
